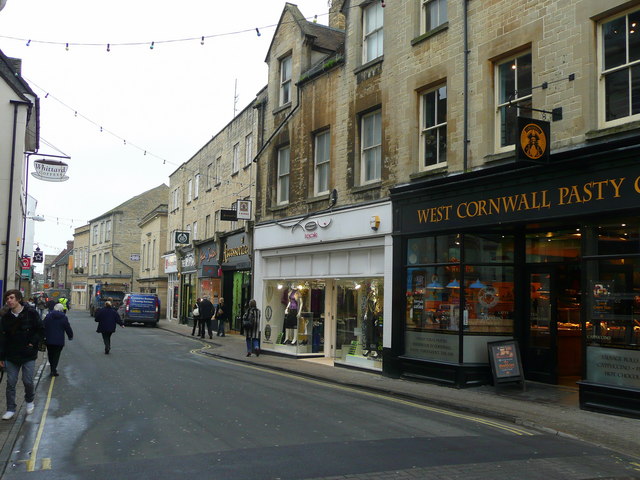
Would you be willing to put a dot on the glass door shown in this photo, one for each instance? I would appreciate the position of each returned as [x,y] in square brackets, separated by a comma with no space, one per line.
[541,349]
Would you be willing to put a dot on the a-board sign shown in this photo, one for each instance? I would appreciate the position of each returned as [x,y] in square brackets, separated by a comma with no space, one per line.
[506,365]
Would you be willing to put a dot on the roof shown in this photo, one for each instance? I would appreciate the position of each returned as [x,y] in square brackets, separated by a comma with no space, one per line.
[10,75]
[128,202]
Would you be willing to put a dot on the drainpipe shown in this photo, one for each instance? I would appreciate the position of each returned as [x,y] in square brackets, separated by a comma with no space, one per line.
[16,104]
[465,114]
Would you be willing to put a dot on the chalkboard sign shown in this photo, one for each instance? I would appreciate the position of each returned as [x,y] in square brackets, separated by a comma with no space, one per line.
[506,366]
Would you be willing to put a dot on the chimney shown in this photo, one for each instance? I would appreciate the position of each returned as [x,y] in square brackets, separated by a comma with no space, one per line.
[16,63]
[336,18]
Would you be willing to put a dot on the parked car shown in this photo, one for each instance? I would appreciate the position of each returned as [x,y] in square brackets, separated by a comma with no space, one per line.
[103,292]
[140,308]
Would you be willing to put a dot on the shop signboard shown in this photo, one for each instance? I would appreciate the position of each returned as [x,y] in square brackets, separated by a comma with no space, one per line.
[228,215]
[504,357]
[533,140]
[613,366]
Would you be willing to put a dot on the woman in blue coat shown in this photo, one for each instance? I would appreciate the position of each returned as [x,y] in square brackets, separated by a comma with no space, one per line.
[56,324]
[107,319]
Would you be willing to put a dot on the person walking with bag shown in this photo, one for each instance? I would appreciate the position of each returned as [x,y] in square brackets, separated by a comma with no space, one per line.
[107,319]
[221,316]
[56,324]
[251,328]
[21,332]
[196,320]
[205,308]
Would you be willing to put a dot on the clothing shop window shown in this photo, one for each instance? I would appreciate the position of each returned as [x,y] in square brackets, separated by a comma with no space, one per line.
[372,31]
[371,148]
[434,14]
[434,127]
[513,92]
[322,162]
[620,68]
[283,175]
[285,80]
[235,166]
[248,150]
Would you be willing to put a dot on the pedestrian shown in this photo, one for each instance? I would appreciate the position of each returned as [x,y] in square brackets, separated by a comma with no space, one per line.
[107,318]
[206,313]
[221,315]
[56,324]
[251,328]
[21,331]
[196,320]
[41,305]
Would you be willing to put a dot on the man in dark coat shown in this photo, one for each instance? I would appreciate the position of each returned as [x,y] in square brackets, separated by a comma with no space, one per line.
[56,324]
[21,331]
[107,318]
[206,312]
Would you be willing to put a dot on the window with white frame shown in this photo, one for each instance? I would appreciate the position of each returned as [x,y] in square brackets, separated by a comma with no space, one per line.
[322,162]
[283,175]
[94,265]
[153,255]
[285,80]
[100,264]
[371,147]
[433,133]
[434,14]
[101,232]
[107,233]
[207,226]
[196,186]
[218,171]
[176,198]
[95,235]
[144,256]
[372,32]
[513,89]
[620,68]
[248,149]
[209,176]
[107,263]
[189,189]
[195,231]
[235,166]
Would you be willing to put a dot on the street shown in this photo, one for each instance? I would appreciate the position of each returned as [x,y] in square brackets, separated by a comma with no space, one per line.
[158,407]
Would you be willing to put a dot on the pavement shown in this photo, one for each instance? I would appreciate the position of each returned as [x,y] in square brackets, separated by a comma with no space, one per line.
[550,408]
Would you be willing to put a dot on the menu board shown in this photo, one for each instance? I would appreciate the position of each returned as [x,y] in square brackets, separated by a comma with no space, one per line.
[504,357]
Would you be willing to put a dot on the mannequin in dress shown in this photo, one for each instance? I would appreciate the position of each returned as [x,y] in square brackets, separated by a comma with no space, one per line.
[291,315]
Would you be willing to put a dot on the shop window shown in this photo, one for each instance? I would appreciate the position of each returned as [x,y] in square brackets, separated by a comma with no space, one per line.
[613,303]
[619,239]
[553,246]
[488,248]
[433,145]
[513,90]
[489,299]
[359,316]
[436,249]
[620,68]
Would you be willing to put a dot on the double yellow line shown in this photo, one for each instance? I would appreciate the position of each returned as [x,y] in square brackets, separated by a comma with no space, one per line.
[46,462]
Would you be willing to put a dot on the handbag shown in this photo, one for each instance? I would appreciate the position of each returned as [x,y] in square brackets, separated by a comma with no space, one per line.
[247,321]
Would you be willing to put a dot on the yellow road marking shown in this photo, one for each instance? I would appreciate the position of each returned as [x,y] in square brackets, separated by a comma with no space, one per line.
[491,423]
[46,464]
[31,463]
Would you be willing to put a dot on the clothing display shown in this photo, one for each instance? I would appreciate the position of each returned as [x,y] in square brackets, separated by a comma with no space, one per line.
[291,319]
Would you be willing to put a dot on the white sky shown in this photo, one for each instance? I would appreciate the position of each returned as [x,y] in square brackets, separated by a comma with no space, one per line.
[169,101]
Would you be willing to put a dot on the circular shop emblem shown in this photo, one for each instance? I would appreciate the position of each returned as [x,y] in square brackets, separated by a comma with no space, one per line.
[533,141]
[488,297]
[267,332]
[268,312]
[182,237]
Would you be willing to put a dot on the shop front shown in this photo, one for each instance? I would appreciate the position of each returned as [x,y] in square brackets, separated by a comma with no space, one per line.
[173,286]
[548,255]
[236,270]
[188,289]
[320,282]
[209,271]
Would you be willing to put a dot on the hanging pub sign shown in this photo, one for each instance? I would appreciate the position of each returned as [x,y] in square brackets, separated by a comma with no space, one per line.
[533,140]
[182,238]
[229,215]
[243,209]
[38,255]
[50,170]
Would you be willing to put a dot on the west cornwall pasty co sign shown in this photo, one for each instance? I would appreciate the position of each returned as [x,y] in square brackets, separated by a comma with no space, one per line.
[578,195]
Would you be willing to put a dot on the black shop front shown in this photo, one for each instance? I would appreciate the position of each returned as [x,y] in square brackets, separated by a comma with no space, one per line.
[548,255]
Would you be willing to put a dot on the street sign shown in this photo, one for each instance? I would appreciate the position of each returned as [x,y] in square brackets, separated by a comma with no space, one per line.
[26,262]
[229,215]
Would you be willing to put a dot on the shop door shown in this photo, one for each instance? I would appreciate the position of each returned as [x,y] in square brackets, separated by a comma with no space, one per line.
[553,347]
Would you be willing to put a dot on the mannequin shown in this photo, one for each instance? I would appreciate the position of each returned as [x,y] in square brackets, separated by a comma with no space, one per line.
[291,315]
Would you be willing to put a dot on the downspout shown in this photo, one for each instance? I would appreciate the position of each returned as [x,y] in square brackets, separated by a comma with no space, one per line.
[16,104]
[465,113]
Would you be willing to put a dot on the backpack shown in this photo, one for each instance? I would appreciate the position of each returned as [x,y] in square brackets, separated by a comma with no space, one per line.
[248,320]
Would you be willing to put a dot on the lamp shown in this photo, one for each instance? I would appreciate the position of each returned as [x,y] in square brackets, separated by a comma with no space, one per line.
[453,284]
[477,284]
[36,218]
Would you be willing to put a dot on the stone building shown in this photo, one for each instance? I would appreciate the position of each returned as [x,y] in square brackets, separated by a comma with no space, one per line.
[114,242]
[59,270]
[203,192]
[80,272]
[153,241]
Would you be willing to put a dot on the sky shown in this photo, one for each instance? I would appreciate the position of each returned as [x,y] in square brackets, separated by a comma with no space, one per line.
[168,100]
